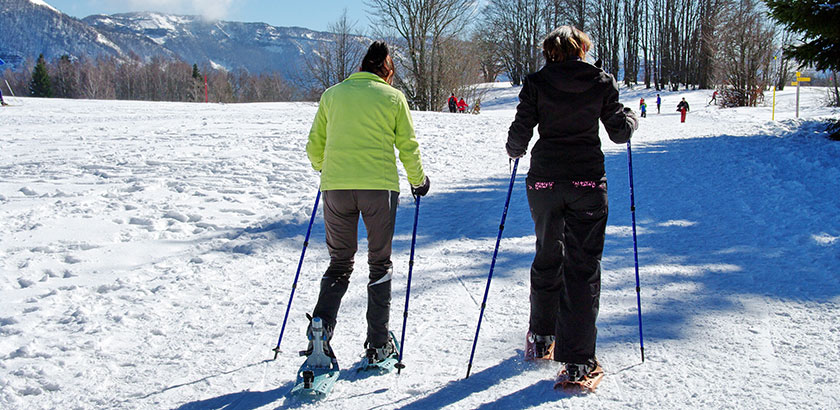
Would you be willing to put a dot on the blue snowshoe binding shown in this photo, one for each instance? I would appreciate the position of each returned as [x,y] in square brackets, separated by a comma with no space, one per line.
[318,374]
[382,359]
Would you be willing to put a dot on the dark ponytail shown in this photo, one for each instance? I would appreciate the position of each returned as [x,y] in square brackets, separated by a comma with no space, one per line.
[376,60]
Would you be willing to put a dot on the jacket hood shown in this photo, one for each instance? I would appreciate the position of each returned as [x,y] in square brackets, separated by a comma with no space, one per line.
[572,76]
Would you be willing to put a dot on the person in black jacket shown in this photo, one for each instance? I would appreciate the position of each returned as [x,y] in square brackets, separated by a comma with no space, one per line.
[682,108]
[567,194]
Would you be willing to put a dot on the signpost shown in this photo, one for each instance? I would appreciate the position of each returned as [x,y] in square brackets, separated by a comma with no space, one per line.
[799,80]
[773,111]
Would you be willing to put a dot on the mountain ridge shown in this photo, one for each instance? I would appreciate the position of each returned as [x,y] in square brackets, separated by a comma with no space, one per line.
[33,27]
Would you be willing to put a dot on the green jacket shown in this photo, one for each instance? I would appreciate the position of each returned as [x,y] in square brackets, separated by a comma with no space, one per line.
[352,140]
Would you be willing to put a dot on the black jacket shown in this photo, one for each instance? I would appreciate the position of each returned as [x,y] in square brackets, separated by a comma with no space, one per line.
[683,104]
[566,100]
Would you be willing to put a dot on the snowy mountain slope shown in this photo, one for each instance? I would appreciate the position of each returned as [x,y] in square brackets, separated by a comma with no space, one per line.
[147,252]
[256,46]
[30,28]
[33,27]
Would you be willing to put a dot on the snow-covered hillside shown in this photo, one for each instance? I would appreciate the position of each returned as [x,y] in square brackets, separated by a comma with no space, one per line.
[33,27]
[147,252]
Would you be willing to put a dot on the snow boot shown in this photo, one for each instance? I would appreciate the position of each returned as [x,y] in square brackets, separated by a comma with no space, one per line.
[318,352]
[578,371]
[320,370]
[378,354]
[584,377]
[539,347]
[382,359]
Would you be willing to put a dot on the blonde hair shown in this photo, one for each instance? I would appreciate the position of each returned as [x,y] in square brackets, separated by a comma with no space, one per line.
[565,42]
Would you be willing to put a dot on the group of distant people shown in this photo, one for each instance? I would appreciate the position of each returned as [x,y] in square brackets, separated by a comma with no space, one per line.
[461,106]
[682,107]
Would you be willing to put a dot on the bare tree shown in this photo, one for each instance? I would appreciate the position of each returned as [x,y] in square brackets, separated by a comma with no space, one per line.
[483,46]
[568,12]
[520,26]
[745,61]
[632,37]
[785,66]
[607,35]
[334,61]
[424,28]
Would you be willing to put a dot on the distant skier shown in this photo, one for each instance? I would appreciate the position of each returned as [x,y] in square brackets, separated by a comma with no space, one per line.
[714,98]
[643,108]
[567,195]
[658,103]
[462,106]
[358,124]
[683,108]
[453,103]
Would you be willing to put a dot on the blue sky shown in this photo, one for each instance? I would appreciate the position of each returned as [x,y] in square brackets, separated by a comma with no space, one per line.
[311,14]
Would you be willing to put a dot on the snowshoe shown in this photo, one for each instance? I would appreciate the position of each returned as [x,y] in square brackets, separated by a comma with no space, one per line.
[539,347]
[382,359]
[580,378]
[319,372]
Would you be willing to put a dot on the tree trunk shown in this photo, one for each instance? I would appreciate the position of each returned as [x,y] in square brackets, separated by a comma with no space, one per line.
[836,91]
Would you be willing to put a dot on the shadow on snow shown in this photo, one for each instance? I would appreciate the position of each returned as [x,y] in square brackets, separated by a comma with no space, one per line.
[724,216]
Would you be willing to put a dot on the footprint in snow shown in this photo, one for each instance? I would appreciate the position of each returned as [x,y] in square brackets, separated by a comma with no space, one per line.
[28,191]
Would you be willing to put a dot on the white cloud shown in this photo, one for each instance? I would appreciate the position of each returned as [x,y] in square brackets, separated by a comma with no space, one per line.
[212,9]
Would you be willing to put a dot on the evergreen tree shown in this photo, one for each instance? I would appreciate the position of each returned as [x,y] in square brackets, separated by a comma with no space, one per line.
[817,21]
[40,86]
[196,75]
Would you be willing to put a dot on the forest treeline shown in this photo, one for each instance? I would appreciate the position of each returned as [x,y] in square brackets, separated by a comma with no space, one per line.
[159,79]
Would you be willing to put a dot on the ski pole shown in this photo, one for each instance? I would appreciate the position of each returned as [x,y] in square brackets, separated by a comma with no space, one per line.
[492,265]
[300,264]
[400,364]
[635,251]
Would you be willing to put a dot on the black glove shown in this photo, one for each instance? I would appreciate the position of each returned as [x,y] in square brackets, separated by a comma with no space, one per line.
[631,118]
[421,190]
[514,155]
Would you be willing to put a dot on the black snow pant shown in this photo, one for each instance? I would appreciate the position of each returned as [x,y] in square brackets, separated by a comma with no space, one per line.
[570,220]
[341,220]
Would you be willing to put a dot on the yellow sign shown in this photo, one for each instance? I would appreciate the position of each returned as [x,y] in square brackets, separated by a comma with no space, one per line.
[803,79]
[794,83]
[798,74]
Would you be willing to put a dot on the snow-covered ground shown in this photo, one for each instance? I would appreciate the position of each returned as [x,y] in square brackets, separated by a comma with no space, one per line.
[147,252]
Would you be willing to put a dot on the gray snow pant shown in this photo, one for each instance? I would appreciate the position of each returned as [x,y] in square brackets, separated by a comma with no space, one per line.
[570,221]
[341,219]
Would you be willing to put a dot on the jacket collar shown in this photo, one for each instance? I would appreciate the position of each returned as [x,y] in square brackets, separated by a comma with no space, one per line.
[364,75]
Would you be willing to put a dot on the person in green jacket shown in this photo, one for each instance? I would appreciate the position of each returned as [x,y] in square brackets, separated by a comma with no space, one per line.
[351,143]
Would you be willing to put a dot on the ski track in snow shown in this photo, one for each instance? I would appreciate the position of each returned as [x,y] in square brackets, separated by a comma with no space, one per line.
[147,252]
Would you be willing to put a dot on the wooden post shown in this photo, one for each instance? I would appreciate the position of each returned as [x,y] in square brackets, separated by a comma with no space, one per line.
[206,99]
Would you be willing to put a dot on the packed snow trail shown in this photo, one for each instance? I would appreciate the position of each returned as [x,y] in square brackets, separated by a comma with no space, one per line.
[147,252]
